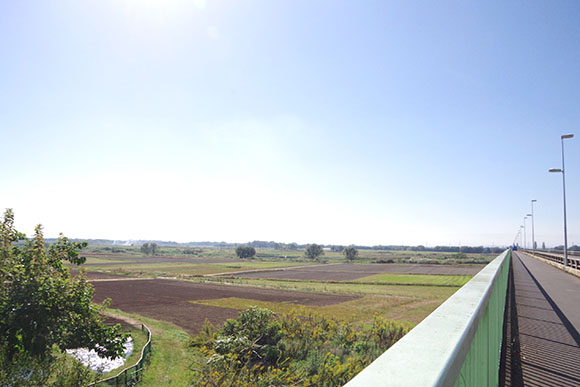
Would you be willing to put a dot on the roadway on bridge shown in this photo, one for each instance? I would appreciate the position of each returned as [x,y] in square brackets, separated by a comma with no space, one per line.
[543,339]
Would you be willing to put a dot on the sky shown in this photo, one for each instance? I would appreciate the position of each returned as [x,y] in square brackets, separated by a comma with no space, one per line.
[333,122]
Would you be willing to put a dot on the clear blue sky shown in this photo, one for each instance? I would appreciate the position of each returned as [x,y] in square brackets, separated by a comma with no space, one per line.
[387,122]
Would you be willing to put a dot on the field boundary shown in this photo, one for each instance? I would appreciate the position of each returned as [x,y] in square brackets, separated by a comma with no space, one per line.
[118,279]
[334,282]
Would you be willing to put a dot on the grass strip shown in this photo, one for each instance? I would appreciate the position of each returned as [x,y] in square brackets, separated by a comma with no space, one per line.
[354,288]
[416,279]
[356,312]
[170,355]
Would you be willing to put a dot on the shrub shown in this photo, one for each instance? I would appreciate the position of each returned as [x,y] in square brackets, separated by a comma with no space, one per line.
[260,348]
[245,251]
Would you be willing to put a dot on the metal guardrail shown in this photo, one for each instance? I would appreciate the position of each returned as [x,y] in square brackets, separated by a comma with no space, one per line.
[130,376]
[561,252]
[558,257]
[458,344]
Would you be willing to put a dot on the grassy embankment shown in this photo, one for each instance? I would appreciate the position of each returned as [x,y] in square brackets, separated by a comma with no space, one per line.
[170,355]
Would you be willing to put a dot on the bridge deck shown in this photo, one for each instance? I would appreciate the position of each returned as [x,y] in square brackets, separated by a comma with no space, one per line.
[542,329]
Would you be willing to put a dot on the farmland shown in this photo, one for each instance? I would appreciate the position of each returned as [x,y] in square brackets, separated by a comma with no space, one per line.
[214,284]
[183,291]
[169,300]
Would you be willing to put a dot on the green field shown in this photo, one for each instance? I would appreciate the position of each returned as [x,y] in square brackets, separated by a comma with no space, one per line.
[416,279]
[414,291]
[356,312]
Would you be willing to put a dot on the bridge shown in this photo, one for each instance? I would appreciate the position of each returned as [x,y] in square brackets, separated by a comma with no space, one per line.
[515,323]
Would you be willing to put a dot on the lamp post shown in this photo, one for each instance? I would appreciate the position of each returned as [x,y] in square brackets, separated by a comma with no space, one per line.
[533,237]
[563,137]
[517,237]
[525,247]
[529,216]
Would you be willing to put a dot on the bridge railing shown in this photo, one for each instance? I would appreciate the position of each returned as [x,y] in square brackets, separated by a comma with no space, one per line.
[459,344]
[558,257]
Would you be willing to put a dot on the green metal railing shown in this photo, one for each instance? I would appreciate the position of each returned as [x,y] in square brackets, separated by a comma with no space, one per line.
[459,344]
[481,366]
[130,376]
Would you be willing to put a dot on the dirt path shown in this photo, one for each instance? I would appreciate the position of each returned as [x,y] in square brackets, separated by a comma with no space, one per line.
[118,317]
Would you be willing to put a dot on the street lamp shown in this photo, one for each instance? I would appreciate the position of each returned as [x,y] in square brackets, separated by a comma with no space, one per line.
[529,216]
[518,237]
[533,238]
[563,137]
[525,217]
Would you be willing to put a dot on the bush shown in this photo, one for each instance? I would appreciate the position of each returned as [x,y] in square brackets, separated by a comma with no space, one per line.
[384,261]
[245,251]
[149,248]
[260,348]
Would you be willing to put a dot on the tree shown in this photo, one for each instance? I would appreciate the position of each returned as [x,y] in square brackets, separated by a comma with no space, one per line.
[245,251]
[41,306]
[350,253]
[543,245]
[149,248]
[313,251]
[292,246]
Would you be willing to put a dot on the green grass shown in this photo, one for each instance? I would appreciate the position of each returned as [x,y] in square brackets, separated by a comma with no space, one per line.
[417,279]
[414,291]
[358,311]
[170,354]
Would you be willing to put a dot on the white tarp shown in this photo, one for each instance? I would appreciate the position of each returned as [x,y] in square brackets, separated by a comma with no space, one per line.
[98,364]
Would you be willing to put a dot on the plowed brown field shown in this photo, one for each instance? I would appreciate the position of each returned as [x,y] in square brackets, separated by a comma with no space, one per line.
[167,300]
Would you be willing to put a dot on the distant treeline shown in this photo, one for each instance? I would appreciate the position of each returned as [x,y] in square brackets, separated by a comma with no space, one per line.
[444,249]
[296,246]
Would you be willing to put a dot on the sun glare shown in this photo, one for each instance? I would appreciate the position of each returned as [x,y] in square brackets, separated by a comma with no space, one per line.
[163,8]
[200,3]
